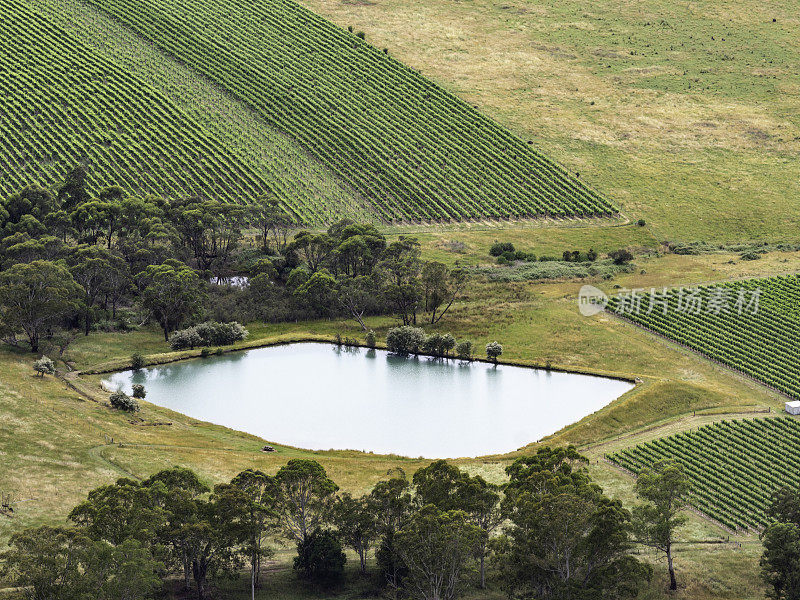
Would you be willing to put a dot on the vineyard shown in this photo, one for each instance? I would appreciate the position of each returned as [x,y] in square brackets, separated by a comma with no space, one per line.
[733,466]
[752,326]
[62,103]
[411,149]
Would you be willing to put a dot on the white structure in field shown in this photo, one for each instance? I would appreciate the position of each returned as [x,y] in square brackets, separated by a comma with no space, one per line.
[793,407]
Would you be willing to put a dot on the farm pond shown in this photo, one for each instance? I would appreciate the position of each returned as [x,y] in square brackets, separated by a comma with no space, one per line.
[318,396]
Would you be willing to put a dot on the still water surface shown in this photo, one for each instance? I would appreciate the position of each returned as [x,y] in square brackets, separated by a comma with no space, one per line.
[319,397]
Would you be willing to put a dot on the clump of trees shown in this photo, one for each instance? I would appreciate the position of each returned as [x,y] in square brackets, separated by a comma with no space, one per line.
[405,340]
[548,532]
[210,333]
[72,260]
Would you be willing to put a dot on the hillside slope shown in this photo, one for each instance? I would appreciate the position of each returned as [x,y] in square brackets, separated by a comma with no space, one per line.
[685,114]
[412,149]
[63,103]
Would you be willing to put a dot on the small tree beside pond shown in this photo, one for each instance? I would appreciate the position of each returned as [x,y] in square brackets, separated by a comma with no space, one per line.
[464,350]
[369,339]
[44,366]
[405,340]
[493,350]
[121,401]
[137,361]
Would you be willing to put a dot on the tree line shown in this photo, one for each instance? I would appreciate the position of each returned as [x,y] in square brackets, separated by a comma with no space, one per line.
[548,532]
[70,260]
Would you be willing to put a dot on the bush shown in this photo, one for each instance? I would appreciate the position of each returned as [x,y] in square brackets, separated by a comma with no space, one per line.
[205,352]
[122,401]
[621,256]
[210,333]
[185,339]
[137,361]
[591,255]
[510,256]
[464,350]
[750,256]
[493,350]
[641,222]
[369,339]
[448,343]
[405,340]
[44,366]
[321,558]
[499,248]
[138,391]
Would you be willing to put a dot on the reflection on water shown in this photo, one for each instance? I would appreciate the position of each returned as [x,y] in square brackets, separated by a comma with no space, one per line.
[320,397]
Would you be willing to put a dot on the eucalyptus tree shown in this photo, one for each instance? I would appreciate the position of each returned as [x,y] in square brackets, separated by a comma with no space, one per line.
[665,489]
[305,496]
[35,298]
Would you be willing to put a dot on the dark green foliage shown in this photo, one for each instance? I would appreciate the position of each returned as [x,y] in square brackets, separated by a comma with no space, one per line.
[320,558]
[621,256]
[405,340]
[121,401]
[567,539]
[500,248]
[138,391]
[137,361]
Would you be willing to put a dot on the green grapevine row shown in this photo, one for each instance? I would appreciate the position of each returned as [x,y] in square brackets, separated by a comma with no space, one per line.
[406,145]
[762,342]
[61,103]
[733,466]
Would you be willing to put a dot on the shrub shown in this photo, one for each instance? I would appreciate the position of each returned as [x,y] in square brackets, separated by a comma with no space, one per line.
[137,361]
[621,256]
[205,352]
[464,350]
[493,350]
[520,255]
[320,559]
[641,222]
[44,366]
[405,340]
[448,343]
[567,256]
[184,339]
[432,344]
[591,255]
[369,339]
[510,256]
[210,333]
[499,248]
[213,333]
[750,256]
[138,391]
[120,400]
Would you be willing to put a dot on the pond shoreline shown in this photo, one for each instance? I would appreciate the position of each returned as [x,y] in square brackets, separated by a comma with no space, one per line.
[409,406]
[172,357]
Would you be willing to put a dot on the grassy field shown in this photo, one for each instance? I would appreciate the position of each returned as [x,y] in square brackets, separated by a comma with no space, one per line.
[684,114]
